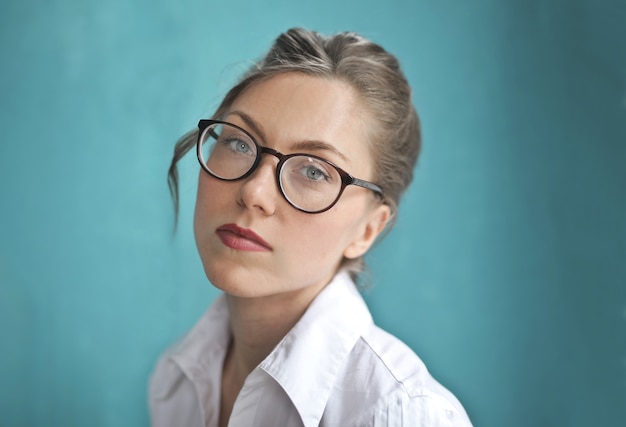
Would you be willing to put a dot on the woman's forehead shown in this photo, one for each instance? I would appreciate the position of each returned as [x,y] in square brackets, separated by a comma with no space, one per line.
[298,94]
[290,108]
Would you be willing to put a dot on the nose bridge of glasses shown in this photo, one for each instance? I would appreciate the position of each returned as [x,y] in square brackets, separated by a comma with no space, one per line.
[259,162]
[277,154]
[280,156]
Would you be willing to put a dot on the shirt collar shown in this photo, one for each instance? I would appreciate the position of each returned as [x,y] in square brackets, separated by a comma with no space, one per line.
[307,360]
[195,353]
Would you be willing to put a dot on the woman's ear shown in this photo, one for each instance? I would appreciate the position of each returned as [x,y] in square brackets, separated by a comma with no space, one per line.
[374,224]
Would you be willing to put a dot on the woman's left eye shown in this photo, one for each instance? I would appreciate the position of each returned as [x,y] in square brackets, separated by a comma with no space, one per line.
[314,173]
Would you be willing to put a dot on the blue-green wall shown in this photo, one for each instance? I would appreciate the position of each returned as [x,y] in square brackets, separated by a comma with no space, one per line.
[507,270]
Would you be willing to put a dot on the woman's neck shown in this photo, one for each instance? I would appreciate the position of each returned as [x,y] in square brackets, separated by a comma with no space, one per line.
[259,324]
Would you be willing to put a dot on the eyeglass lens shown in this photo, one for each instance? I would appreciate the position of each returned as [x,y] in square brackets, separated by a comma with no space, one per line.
[307,182]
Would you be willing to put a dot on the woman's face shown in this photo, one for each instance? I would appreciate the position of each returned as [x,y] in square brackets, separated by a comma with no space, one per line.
[251,241]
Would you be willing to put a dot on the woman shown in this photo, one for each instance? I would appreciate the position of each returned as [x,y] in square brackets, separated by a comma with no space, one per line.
[302,169]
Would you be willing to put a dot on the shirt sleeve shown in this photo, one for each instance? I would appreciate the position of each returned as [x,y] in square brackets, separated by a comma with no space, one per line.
[419,411]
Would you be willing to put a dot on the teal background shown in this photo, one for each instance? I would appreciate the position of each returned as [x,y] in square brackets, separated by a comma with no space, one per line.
[506,272]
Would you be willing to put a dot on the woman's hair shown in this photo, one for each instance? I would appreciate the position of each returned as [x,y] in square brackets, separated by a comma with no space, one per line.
[375,74]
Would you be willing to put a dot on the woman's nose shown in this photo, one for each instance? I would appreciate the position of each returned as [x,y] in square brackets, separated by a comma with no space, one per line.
[259,191]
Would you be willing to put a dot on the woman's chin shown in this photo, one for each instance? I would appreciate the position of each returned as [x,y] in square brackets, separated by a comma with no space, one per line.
[238,283]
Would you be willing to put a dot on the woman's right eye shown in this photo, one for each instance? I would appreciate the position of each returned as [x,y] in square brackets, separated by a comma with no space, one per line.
[238,145]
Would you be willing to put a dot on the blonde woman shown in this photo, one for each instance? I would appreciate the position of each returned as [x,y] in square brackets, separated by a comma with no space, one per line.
[302,168]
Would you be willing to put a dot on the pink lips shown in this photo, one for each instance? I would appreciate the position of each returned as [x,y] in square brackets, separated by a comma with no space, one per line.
[241,239]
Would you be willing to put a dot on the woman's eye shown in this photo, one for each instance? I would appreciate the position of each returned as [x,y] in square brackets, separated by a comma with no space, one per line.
[239,145]
[314,173]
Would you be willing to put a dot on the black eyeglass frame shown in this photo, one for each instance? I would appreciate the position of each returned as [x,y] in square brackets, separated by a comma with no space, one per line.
[346,178]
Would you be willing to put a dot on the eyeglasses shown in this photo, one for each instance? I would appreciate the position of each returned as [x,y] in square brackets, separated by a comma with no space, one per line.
[309,183]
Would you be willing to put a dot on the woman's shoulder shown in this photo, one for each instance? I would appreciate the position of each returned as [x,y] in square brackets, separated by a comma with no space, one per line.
[385,380]
[394,361]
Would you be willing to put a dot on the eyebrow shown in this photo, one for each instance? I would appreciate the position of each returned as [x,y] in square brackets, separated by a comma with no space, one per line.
[306,145]
[250,122]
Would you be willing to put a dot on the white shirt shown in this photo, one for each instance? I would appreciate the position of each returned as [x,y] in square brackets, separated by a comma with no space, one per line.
[334,368]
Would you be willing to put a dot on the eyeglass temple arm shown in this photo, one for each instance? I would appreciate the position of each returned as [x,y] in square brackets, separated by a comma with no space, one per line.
[203,124]
[375,188]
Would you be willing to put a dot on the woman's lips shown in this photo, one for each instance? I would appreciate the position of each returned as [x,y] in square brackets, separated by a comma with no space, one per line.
[241,239]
